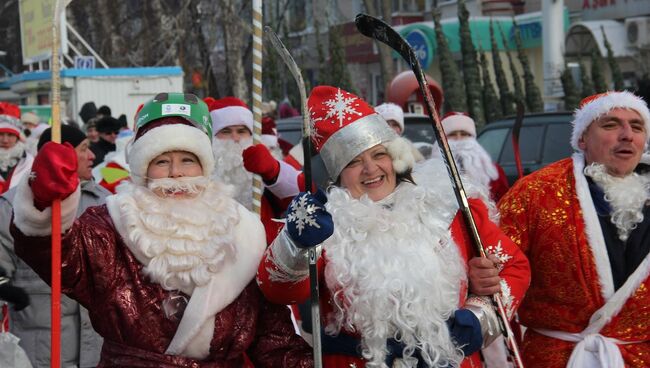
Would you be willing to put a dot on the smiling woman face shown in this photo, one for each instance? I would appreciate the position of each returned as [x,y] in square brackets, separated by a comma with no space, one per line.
[371,173]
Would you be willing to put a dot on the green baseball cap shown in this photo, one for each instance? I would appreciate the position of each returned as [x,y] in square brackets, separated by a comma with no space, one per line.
[184,105]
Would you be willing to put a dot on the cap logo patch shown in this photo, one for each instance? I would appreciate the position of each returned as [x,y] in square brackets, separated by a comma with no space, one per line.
[182,109]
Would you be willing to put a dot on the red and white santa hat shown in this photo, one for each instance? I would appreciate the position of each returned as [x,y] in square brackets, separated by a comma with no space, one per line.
[454,121]
[390,111]
[10,119]
[229,111]
[343,126]
[593,107]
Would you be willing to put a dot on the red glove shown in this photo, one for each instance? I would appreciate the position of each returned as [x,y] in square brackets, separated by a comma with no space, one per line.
[54,174]
[258,160]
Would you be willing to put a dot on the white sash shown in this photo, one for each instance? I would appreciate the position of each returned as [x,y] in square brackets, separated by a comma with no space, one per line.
[592,350]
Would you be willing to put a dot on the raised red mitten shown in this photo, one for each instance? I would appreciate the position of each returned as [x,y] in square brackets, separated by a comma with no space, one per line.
[258,160]
[54,174]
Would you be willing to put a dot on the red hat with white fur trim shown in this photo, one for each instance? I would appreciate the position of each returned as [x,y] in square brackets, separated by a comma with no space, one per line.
[593,107]
[229,111]
[343,126]
[10,119]
[455,121]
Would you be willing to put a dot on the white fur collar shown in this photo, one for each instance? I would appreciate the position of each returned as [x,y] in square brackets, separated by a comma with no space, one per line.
[197,325]
[614,300]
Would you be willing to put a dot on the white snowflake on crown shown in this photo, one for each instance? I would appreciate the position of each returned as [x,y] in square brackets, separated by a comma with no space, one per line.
[341,107]
[302,214]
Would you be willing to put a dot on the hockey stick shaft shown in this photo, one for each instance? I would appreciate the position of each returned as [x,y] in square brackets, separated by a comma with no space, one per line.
[376,29]
[306,146]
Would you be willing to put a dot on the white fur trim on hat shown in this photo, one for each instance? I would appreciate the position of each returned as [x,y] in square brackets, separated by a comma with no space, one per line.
[229,116]
[600,106]
[454,123]
[400,151]
[167,138]
[9,128]
[390,111]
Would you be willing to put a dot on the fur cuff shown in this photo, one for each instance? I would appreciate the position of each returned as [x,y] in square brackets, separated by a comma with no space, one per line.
[287,183]
[482,307]
[33,222]
[288,262]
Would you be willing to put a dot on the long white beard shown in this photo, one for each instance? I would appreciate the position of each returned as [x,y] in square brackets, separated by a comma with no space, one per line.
[230,169]
[627,197]
[395,272]
[9,157]
[186,241]
[472,160]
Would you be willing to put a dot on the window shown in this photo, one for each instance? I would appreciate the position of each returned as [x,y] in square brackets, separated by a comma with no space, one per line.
[530,151]
[492,141]
[297,15]
[557,144]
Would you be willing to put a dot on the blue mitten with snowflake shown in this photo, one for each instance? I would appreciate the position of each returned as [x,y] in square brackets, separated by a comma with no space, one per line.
[308,222]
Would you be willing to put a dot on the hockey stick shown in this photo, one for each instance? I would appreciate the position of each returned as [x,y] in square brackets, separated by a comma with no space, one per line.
[306,147]
[376,29]
[516,130]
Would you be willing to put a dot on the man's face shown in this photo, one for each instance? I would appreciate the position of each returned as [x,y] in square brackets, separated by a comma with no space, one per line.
[458,135]
[395,126]
[85,158]
[108,136]
[8,140]
[234,132]
[92,134]
[616,140]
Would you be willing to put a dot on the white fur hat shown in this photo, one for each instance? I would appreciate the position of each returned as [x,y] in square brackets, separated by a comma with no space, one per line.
[390,111]
[454,121]
[167,138]
[593,107]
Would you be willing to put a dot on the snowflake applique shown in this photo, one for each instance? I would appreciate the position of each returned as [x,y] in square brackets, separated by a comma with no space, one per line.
[502,256]
[340,107]
[312,127]
[302,214]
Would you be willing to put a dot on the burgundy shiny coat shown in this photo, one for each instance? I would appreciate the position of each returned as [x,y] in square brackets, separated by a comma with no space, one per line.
[102,274]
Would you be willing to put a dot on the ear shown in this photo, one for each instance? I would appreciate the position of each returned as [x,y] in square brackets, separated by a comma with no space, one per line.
[581,142]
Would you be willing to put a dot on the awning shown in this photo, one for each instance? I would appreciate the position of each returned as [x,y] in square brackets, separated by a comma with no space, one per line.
[583,37]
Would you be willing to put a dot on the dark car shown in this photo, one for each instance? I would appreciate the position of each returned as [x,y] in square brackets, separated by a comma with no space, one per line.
[290,129]
[543,139]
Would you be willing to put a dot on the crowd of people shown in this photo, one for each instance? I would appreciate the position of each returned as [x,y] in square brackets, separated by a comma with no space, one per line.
[165,264]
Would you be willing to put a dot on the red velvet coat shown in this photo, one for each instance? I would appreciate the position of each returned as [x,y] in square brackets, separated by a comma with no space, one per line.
[125,308]
[515,272]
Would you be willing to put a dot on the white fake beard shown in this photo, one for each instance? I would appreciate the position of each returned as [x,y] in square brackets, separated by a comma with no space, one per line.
[627,197]
[394,273]
[186,240]
[472,160]
[229,169]
[9,157]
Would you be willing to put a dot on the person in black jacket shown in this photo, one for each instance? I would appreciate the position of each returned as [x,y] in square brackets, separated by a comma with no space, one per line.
[108,128]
